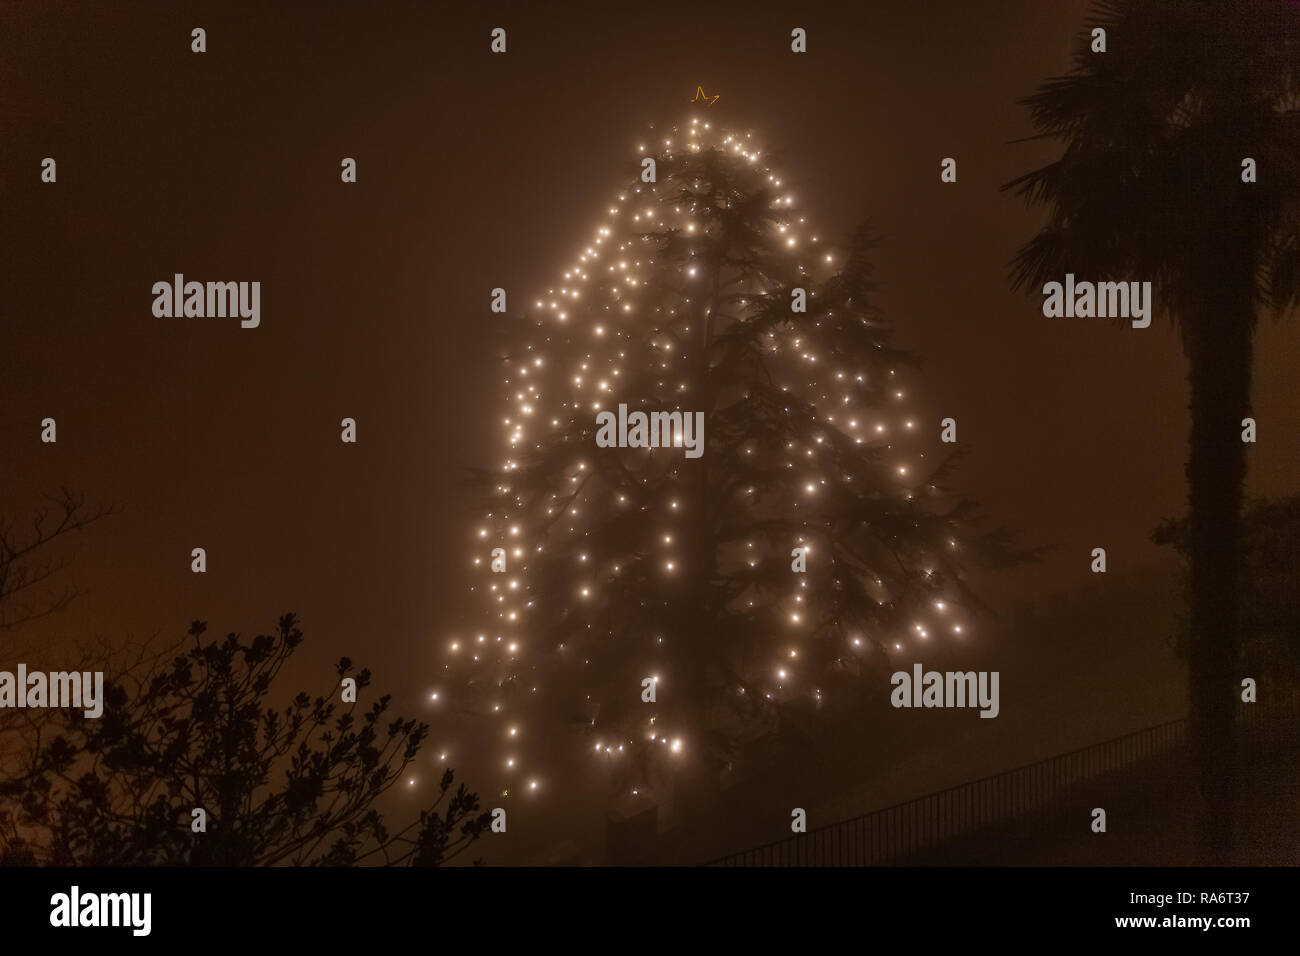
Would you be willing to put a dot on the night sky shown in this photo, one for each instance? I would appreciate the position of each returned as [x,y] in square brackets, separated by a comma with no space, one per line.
[477,171]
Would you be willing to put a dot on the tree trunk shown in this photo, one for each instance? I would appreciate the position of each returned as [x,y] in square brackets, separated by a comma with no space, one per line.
[695,611]
[1219,355]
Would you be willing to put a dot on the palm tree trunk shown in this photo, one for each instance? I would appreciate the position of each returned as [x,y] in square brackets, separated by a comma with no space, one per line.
[1219,355]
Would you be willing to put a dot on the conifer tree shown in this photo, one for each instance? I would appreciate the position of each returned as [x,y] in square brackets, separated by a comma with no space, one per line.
[678,595]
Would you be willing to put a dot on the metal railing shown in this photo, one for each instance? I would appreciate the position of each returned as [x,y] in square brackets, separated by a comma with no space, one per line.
[894,833]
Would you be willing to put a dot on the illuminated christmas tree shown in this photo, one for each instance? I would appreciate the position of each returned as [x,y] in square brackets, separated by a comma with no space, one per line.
[681,593]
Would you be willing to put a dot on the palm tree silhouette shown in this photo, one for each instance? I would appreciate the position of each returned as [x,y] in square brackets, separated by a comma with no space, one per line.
[1153,185]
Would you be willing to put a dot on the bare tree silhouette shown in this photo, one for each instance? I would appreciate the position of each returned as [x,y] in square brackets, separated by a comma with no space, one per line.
[28,562]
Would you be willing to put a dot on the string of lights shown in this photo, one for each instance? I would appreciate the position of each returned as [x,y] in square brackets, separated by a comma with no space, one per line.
[667,605]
